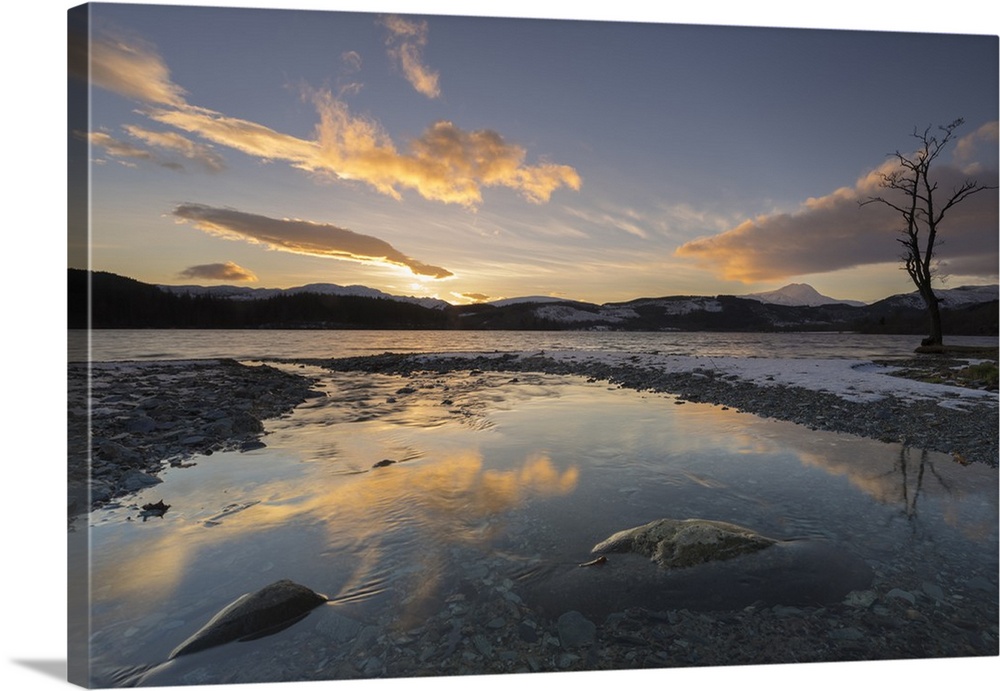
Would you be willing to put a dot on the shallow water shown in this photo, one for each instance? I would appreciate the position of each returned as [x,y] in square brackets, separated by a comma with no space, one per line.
[501,481]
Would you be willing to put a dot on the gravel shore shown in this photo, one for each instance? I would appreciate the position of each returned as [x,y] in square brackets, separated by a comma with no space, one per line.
[966,428]
[142,415]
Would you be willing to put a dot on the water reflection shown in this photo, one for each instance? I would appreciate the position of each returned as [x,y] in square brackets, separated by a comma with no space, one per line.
[908,479]
[431,505]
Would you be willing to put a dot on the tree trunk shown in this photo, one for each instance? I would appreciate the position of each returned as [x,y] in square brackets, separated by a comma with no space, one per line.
[936,336]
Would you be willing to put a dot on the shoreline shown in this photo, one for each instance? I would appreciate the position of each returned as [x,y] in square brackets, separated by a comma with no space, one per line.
[146,415]
[856,397]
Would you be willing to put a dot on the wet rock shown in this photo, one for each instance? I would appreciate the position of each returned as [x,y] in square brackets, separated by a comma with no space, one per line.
[575,630]
[898,593]
[156,510]
[135,480]
[933,591]
[848,633]
[140,424]
[254,615]
[682,543]
[860,598]
[527,633]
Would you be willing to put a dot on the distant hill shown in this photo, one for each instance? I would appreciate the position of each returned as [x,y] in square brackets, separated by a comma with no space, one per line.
[120,302]
[247,293]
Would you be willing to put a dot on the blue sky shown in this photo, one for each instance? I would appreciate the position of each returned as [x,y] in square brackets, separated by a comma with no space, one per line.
[471,158]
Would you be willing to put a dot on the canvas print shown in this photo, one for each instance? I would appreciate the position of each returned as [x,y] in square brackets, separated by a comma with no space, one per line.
[408,346]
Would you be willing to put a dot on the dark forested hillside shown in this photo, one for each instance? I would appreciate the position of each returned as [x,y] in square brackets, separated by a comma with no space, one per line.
[119,302]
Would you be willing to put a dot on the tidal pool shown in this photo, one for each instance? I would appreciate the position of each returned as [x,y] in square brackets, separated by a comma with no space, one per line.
[441,498]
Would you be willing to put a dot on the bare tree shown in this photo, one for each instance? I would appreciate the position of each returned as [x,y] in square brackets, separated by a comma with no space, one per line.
[923,207]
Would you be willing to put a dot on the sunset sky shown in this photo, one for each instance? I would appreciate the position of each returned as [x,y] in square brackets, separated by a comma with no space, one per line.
[473,158]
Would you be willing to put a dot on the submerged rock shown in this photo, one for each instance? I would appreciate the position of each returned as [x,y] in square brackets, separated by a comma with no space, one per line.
[681,543]
[254,615]
[701,565]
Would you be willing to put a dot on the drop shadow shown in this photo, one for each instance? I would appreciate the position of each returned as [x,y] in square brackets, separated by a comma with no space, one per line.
[56,669]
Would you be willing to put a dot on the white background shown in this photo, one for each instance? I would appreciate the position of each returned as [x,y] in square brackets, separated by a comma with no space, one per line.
[33,253]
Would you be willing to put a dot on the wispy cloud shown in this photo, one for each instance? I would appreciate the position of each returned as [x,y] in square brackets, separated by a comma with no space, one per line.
[170,141]
[350,65]
[228,271]
[832,232]
[624,220]
[177,143]
[301,237]
[116,148]
[445,163]
[474,297]
[973,148]
[406,42]
[131,67]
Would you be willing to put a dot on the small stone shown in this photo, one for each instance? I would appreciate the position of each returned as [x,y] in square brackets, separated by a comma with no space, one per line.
[566,660]
[848,633]
[527,633]
[902,595]
[482,645]
[575,630]
[932,590]
[135,479]
[140,424]
[860,598]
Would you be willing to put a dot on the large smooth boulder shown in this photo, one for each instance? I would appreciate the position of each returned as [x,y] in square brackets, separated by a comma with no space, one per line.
[254,615]
[681,543]
[699,565]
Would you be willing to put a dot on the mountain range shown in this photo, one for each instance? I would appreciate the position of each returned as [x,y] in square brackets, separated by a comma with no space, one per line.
[120,302]
[793,294]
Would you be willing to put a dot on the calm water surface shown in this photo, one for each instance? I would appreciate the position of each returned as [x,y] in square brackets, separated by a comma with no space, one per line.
[510,482]
[127,344]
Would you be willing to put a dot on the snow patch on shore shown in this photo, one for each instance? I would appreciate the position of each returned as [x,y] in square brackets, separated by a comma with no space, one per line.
[860,381]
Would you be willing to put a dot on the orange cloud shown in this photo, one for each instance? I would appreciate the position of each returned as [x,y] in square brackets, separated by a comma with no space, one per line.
[229,271]
[445,163]
[301,237]
[406,42]
[130,67]
[833,232]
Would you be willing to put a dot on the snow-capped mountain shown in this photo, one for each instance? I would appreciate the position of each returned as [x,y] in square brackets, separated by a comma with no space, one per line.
[949,297]
[799,295]
[247,293]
